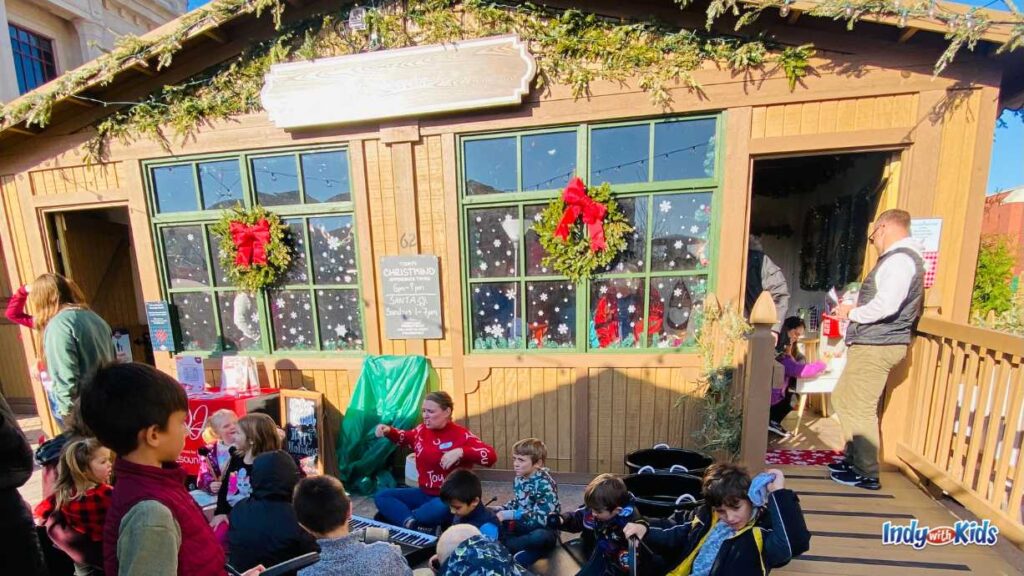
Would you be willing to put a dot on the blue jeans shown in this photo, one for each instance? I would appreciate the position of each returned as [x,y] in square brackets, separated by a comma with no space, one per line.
[397,505]
[532,543]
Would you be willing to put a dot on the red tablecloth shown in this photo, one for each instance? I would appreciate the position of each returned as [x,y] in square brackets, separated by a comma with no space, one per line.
[202,406]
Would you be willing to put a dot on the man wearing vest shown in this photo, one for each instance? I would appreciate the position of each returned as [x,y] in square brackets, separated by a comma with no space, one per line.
[881,326]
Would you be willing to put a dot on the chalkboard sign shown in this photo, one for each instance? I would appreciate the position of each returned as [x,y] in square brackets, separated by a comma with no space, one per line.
[302,417]
[161,327]
[412,297]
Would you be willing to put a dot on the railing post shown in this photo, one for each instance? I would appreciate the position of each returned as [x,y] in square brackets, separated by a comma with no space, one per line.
[757,378]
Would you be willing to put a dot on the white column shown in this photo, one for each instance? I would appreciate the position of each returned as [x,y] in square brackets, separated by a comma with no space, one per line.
[8,79]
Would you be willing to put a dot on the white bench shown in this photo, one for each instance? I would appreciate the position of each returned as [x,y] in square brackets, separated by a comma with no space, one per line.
[823,384]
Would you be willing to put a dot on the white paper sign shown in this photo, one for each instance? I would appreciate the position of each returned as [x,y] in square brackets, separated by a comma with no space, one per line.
[190,373]
[928,231]
[238,375]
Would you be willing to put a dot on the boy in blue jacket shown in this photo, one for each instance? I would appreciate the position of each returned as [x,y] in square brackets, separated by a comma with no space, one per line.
[462,493]
[744,527]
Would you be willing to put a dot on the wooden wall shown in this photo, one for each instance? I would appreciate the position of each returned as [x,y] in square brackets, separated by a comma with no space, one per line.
[591,409]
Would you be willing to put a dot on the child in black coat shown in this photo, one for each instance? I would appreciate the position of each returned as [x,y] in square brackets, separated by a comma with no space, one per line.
[263,527]
[738,530]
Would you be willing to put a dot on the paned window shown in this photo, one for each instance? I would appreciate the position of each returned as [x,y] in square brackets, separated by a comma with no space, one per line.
[316,306]
[665,177]
[34,63]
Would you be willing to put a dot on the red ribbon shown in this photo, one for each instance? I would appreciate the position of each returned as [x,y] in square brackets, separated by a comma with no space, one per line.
[250,242]
[577,204]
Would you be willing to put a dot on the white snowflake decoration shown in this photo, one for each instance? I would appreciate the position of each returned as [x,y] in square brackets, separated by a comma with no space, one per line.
[678,244]
[665,206]
[563,329]
[677,292]
[340,330]
[694,229]
[603,290]
[543,296]
[497,243]
[631,308]
[333,242]
[483,265]
[293,315]
[191,237]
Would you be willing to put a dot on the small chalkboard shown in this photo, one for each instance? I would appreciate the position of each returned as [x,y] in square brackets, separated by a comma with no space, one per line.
[161,327]
[412,297]
[302,417]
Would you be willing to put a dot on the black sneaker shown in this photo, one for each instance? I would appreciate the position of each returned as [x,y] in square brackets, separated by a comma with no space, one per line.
[777,428]
[851,478]
[839,466]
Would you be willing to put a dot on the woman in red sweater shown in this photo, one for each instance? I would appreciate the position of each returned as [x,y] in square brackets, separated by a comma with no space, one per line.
[440,446]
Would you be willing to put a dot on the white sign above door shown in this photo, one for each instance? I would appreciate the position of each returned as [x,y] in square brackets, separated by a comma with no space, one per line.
[467,75]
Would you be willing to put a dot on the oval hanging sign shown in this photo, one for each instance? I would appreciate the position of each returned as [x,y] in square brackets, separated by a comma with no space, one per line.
[466,75]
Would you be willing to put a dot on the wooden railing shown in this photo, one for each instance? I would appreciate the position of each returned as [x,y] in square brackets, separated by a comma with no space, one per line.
[962,419]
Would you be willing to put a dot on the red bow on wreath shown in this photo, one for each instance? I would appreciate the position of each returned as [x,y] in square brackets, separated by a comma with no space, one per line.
[577,203]
[250,242]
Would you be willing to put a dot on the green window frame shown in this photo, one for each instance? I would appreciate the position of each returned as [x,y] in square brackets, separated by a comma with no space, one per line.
[323,281]
[499,201]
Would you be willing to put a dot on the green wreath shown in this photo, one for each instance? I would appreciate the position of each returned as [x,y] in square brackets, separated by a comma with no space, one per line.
[252,247]
[582,230]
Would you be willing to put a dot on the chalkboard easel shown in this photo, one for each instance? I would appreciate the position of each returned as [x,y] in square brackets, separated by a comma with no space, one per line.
[302,417]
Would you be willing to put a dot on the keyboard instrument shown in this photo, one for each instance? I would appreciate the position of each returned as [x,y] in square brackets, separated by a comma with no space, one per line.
[417,547]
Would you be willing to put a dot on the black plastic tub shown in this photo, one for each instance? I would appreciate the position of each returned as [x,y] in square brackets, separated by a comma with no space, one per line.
[661,458]
[661,494]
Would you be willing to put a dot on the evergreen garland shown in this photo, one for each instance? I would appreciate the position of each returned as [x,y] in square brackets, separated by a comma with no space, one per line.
[574,257]
[256,276]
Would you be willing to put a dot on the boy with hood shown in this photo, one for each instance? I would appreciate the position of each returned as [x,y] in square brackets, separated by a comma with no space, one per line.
[744,527]
[263,528]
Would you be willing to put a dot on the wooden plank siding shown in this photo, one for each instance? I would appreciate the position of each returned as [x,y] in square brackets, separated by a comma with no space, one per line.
[97,177]
[831,116]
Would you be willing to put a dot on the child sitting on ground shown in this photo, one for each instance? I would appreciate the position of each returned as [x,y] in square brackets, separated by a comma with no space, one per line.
[216,455]
[535,497]
[730,533]
[607,508]
[256,434]
[463,551]
[153,527]
[263,528]
[75,512]
[462,493]
[323,508]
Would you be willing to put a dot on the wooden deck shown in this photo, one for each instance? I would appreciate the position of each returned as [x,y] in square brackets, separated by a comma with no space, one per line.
[846,527]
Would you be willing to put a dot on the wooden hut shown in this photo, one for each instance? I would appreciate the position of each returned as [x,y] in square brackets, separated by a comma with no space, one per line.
[460,169]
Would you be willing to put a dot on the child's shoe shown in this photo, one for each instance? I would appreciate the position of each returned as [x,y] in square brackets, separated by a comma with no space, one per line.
[851,478]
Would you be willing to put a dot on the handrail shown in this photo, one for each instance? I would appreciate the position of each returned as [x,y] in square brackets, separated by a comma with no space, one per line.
[984,337]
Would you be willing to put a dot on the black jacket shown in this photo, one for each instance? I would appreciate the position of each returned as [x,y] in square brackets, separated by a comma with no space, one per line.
[780,527]
[263,527]
[604,538]
[20,552]
[15,453]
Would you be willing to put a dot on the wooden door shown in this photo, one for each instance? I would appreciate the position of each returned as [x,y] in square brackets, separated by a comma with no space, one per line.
[95,252]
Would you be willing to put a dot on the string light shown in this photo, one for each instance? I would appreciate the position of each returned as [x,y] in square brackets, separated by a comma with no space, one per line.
[784,9]
[902,21]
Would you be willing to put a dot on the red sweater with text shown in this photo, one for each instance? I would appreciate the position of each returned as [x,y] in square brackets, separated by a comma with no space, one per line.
[430,445]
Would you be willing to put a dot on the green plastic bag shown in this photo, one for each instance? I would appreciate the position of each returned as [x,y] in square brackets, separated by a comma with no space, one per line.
[389,391]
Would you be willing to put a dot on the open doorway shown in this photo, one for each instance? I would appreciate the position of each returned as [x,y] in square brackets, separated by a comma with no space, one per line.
[810,215]
[94,248]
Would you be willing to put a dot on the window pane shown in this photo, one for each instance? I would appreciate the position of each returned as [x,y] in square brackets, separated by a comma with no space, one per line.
[334,250]
[535,253]
[183,254]
[631,258]
[325,177]
[496,321]
[548,160]
[674,309]
[684,149]
[297,272]
[195,319]
[340,328]
[616,313]
[277,180]
[175,189]
[239,320]
[221,183]
[220,275]
[494,242]
[619,155]
[551,314]
[490,166]
[292,318]
[680,237]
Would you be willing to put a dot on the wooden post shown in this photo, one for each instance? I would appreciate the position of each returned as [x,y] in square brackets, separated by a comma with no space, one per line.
[757,399]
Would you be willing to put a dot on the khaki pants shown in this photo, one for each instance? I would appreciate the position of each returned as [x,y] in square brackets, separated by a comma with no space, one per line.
[856,399]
